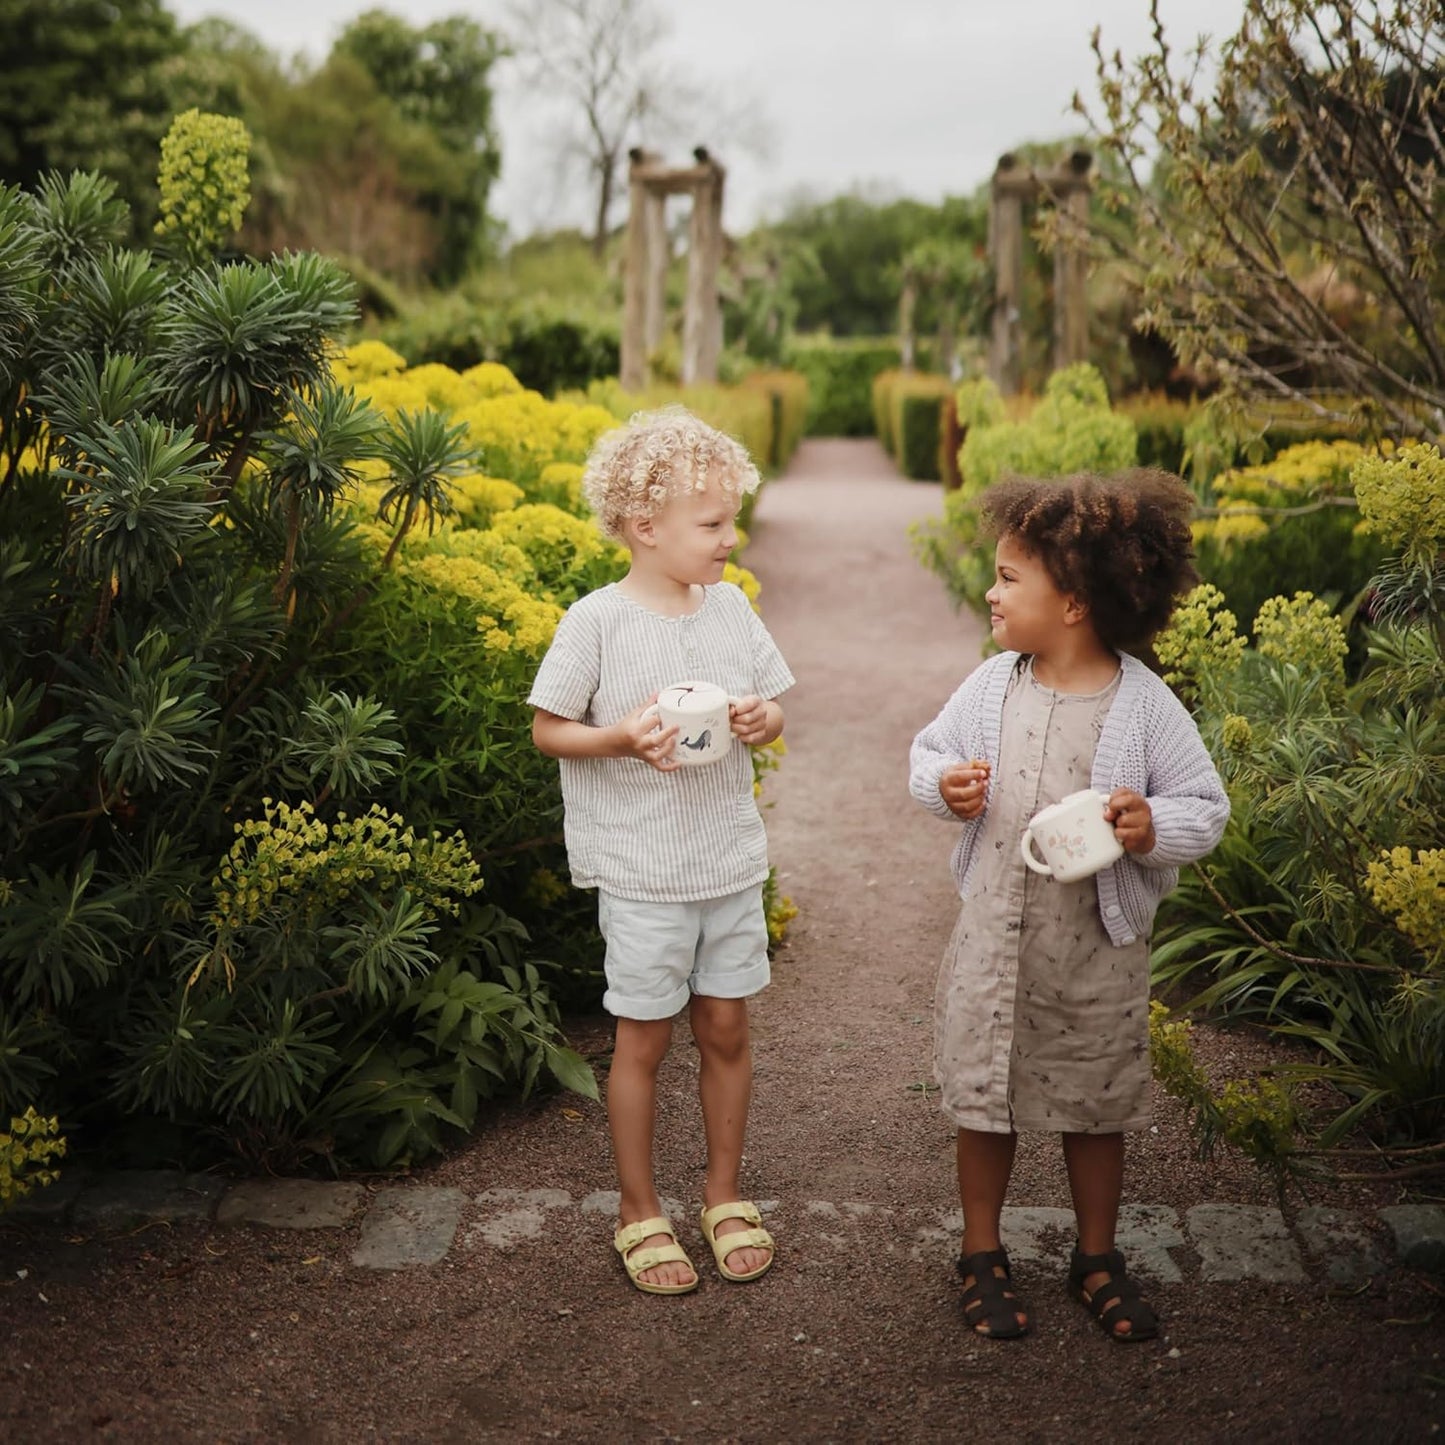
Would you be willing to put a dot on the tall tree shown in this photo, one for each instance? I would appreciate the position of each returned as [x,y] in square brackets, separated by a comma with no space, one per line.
[439,77]
[1291,234]
[600,58]
[89,85]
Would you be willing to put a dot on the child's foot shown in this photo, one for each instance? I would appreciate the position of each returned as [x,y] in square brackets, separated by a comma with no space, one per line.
[753,1252]
[989,1306]
[656,1263]
[1101,1283]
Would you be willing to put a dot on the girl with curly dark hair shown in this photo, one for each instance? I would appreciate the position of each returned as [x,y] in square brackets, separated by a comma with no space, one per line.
[1042,1011]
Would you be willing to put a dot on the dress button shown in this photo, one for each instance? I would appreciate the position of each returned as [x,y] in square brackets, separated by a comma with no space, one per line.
[1112,911]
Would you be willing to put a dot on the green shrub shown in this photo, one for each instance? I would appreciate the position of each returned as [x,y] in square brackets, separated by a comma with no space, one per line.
[788,395]
[547,349]
[1159,424]
[1318,916]
[840,378]
[234,913]
[1071,429]
[1288,525]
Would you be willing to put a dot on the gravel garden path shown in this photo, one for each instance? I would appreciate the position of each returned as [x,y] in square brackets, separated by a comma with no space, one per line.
[481,1299]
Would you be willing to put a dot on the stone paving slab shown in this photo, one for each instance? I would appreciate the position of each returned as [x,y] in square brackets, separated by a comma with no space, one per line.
[146,1196]
[1244,1241]
[1342,1241]
[408,1226]
[290,1203]
[1419,1232]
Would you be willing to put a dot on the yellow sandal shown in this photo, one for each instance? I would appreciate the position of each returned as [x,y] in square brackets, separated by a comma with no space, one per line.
[636,1261]
[724,1244]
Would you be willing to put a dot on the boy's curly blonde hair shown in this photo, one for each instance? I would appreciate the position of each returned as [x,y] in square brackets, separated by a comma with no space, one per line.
[634,470]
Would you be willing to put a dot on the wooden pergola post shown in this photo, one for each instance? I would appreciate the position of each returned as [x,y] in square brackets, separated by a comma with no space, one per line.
[1068,186]
[645,278]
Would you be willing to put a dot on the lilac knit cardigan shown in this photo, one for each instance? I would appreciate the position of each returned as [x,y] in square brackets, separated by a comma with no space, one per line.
[1148,743]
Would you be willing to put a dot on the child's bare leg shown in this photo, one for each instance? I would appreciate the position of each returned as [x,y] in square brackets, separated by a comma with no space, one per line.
[639,1049]
[725,1084]
[1096,1180]
[985,1162]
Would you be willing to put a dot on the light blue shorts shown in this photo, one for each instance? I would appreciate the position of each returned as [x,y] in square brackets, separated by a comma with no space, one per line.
[660,954]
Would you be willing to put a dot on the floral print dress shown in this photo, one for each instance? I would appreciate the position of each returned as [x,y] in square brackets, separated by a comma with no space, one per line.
[1040,1021]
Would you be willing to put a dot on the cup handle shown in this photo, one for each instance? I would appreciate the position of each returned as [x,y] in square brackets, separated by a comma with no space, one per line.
[1026,851]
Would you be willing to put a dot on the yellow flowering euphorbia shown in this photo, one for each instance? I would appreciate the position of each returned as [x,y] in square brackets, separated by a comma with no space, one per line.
[1410,889]
[507,616]
[479,498]
[1304,631]
[490,378]
[365,361]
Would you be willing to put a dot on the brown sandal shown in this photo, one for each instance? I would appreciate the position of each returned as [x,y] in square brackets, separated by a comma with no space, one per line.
[988,1301]
[1116,1302]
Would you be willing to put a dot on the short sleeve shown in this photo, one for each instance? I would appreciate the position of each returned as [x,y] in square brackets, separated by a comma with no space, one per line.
[568,677]
[771,674]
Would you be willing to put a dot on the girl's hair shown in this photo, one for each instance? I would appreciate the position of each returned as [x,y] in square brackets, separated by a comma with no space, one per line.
[1121,544]
[634,470]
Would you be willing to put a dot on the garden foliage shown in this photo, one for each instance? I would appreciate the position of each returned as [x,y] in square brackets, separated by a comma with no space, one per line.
[1319,916]
[1071,429]
[241,870]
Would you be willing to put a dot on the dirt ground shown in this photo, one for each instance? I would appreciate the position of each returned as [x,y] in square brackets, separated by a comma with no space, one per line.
[209,1334]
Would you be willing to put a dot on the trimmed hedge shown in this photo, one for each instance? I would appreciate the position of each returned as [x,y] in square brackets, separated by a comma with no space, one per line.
[547,349]
[840,378]
[787,392]
[908,411]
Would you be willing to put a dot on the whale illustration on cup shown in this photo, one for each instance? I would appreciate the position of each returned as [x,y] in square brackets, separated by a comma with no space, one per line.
[699,712]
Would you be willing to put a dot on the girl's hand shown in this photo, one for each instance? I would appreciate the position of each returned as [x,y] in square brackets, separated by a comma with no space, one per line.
[748,718]
[1132,819]
[642,736]
[964,788]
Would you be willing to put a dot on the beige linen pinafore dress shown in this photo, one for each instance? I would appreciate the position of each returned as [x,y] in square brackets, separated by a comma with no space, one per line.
[1040,1022]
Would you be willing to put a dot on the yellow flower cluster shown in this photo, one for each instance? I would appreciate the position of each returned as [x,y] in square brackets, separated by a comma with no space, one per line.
[1402,498]
[556,542]
[1237,733]
[522,436]
[1302,630]
[1297,476]
[742,578]
[1203,636]
[290,858]
[25,1154]
[365,361]
[490,378]
[204,181]
[1171,1054]
[477,499]
[507,616]
[1410,889]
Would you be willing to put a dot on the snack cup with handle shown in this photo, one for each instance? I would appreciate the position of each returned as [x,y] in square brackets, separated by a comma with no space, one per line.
[1075,838]
[699,712]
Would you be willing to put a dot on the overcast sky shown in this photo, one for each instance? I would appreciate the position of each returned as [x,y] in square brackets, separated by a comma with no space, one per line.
[904,97]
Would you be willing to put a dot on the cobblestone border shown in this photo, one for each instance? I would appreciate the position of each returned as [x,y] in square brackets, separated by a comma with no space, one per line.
[411,1226]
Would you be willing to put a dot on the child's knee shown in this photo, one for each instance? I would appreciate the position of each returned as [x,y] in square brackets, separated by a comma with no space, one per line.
[720,1026]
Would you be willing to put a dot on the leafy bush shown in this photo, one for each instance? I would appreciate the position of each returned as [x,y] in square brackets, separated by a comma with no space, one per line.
[227,915]
[787,392]
[1071,430]
[908,415]
[1159,425]
[840,378]
[1286,526]
[548,349]
[1319,915]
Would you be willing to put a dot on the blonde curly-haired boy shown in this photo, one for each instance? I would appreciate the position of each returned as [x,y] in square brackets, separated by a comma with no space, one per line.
[678,854]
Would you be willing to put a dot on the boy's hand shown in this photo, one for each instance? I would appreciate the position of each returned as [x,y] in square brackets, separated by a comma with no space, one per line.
[749,719]
[964,788]
[643,736]
[1133,820]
